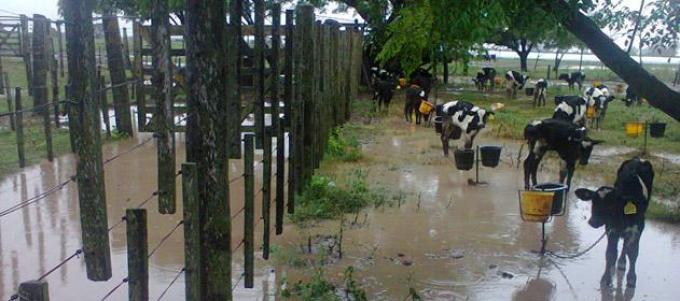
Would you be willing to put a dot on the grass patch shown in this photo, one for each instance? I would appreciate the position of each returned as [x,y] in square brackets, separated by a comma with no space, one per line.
[343,145]
[663,212]
[322,289]
[324,199]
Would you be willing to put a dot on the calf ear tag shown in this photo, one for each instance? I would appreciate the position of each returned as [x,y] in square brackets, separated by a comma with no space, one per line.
[629,208]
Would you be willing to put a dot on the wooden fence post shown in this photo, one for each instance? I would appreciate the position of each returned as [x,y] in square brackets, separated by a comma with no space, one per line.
[274,65]
[19,122]
[39,64]
[206,143]
[35,290]
[10,105]
[307,84]
[115,63]
[126,50]
[61,48]
[104,103]
[288,110]
[192,232]
[233,79]
[26,52]
[258,59]
[90,171]
[53,68]
[2,79]
[138,71]
[280,174]
[266,189]
[249,210]
[316,100]
[137,255]
[162,93]
[47,128]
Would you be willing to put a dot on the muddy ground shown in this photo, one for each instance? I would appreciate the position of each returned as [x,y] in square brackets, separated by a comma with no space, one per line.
[445,239]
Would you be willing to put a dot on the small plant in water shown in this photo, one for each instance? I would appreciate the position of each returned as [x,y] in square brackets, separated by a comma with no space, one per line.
[318,288]
[343,145]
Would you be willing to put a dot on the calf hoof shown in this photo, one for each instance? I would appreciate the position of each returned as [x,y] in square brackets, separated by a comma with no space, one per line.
[631,281]
[606,281]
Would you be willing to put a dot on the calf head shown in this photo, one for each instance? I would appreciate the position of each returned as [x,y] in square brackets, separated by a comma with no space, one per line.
[586,149]
[604,205]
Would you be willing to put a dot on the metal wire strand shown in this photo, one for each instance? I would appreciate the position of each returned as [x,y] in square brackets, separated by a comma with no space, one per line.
[63,262]
[114,289]
[171,283]
[164,239]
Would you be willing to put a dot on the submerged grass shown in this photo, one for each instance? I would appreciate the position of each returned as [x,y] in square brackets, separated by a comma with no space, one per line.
[320,288]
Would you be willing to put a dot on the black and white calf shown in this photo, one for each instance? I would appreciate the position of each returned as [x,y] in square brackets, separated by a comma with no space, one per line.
[515,81]
[631,97]
[414,96]
[462,117]
[485,79]
[621,209]
[571,109]
[573,78]
[383,89]
[424,79]
[567,139]
[599,98]
[540,92]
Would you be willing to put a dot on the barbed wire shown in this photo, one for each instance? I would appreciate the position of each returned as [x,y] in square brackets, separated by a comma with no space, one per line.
[115,288]
[238,281]
[171,283]
[33,108]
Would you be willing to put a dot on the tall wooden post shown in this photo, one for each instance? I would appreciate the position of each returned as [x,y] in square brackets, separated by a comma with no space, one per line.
[248,210]
[162,93]
[2,78]
[288,95]
[280,174]
[104,104]
[10,104]
[138,72]
[192,232]
[266,189]
[54,78]
[61,47]
[233,75]
[274,65]
[114,59]
[40,62]
[258,59]
[26,52]
[137,255]
[206,146]
[34,291]
[19,122]
[126,50]
[307,85]
[90,171]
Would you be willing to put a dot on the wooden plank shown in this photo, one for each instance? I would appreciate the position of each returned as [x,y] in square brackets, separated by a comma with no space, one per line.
[266,190]
[61,48]
[90,171]
[248,211]
[116,66]
[192,232]
[307,85]
[163,117]
[10,104]
[140,94]
[137,255]
[258,57]
[19,128]
[233,76]
[280,175]
[36,290]
[104,104]
[26,52]
[288,100]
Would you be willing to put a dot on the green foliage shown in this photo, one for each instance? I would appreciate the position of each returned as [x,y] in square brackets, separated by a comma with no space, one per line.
[323,199]
[343,145]
[318,288]
[663,212]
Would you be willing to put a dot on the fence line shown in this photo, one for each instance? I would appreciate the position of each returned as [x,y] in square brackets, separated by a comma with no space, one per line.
[171,283]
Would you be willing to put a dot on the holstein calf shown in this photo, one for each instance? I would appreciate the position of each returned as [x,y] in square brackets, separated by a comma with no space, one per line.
[540,92]
[599,98]
[567,139]
[631,97]
[486,76]
[574,78]
[571,109]
[621,209]
[383,86]
[462,117]
[424,79]
[414,95]
[515,81]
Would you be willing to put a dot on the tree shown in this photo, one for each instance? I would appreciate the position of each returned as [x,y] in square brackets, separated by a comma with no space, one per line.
[561,40]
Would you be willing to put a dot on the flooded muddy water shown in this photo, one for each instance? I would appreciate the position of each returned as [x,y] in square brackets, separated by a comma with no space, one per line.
[463,242]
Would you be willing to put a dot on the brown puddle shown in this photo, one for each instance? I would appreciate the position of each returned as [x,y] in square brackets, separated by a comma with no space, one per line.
[464,242]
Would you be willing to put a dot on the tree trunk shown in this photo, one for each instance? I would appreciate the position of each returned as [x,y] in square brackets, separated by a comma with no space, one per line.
[523,60]
[644,84]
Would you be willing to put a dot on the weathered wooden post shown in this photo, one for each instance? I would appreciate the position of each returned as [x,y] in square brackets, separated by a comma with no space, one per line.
[19,122]
[39,64]
[233,75]
[61,47]
[54,78]
[2,78]
[10,105]
[47,128]
[288,95]
[137,255]
[274,66]
[162,93]
[36,290]
[258,59]
[280,174]
[115,62]
[138,71]
[248,210]
[104,103]
[26,52]
[307,84]
[316,108]
[335,51]
[192,232]
[266,189]
[126,50]
[90,171]
[206,146]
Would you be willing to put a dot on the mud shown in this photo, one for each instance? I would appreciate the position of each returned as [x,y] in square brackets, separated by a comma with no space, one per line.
[461,242]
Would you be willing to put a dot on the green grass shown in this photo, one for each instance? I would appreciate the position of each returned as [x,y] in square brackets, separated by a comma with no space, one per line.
[320,288]
[343,145]
[35,147]
[663,212]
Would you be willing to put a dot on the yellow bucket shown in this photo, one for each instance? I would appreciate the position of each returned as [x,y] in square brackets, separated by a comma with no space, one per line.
[590,112]
[620,88]
[402,82]
[634,129]
[535,206]
[426,107]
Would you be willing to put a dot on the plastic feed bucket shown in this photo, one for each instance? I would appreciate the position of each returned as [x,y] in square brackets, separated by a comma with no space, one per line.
[535,206]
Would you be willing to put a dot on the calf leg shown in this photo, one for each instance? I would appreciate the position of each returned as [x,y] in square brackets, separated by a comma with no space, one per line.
[632,247]
[446,133]
[612,241]
[407,114]
[568,173]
